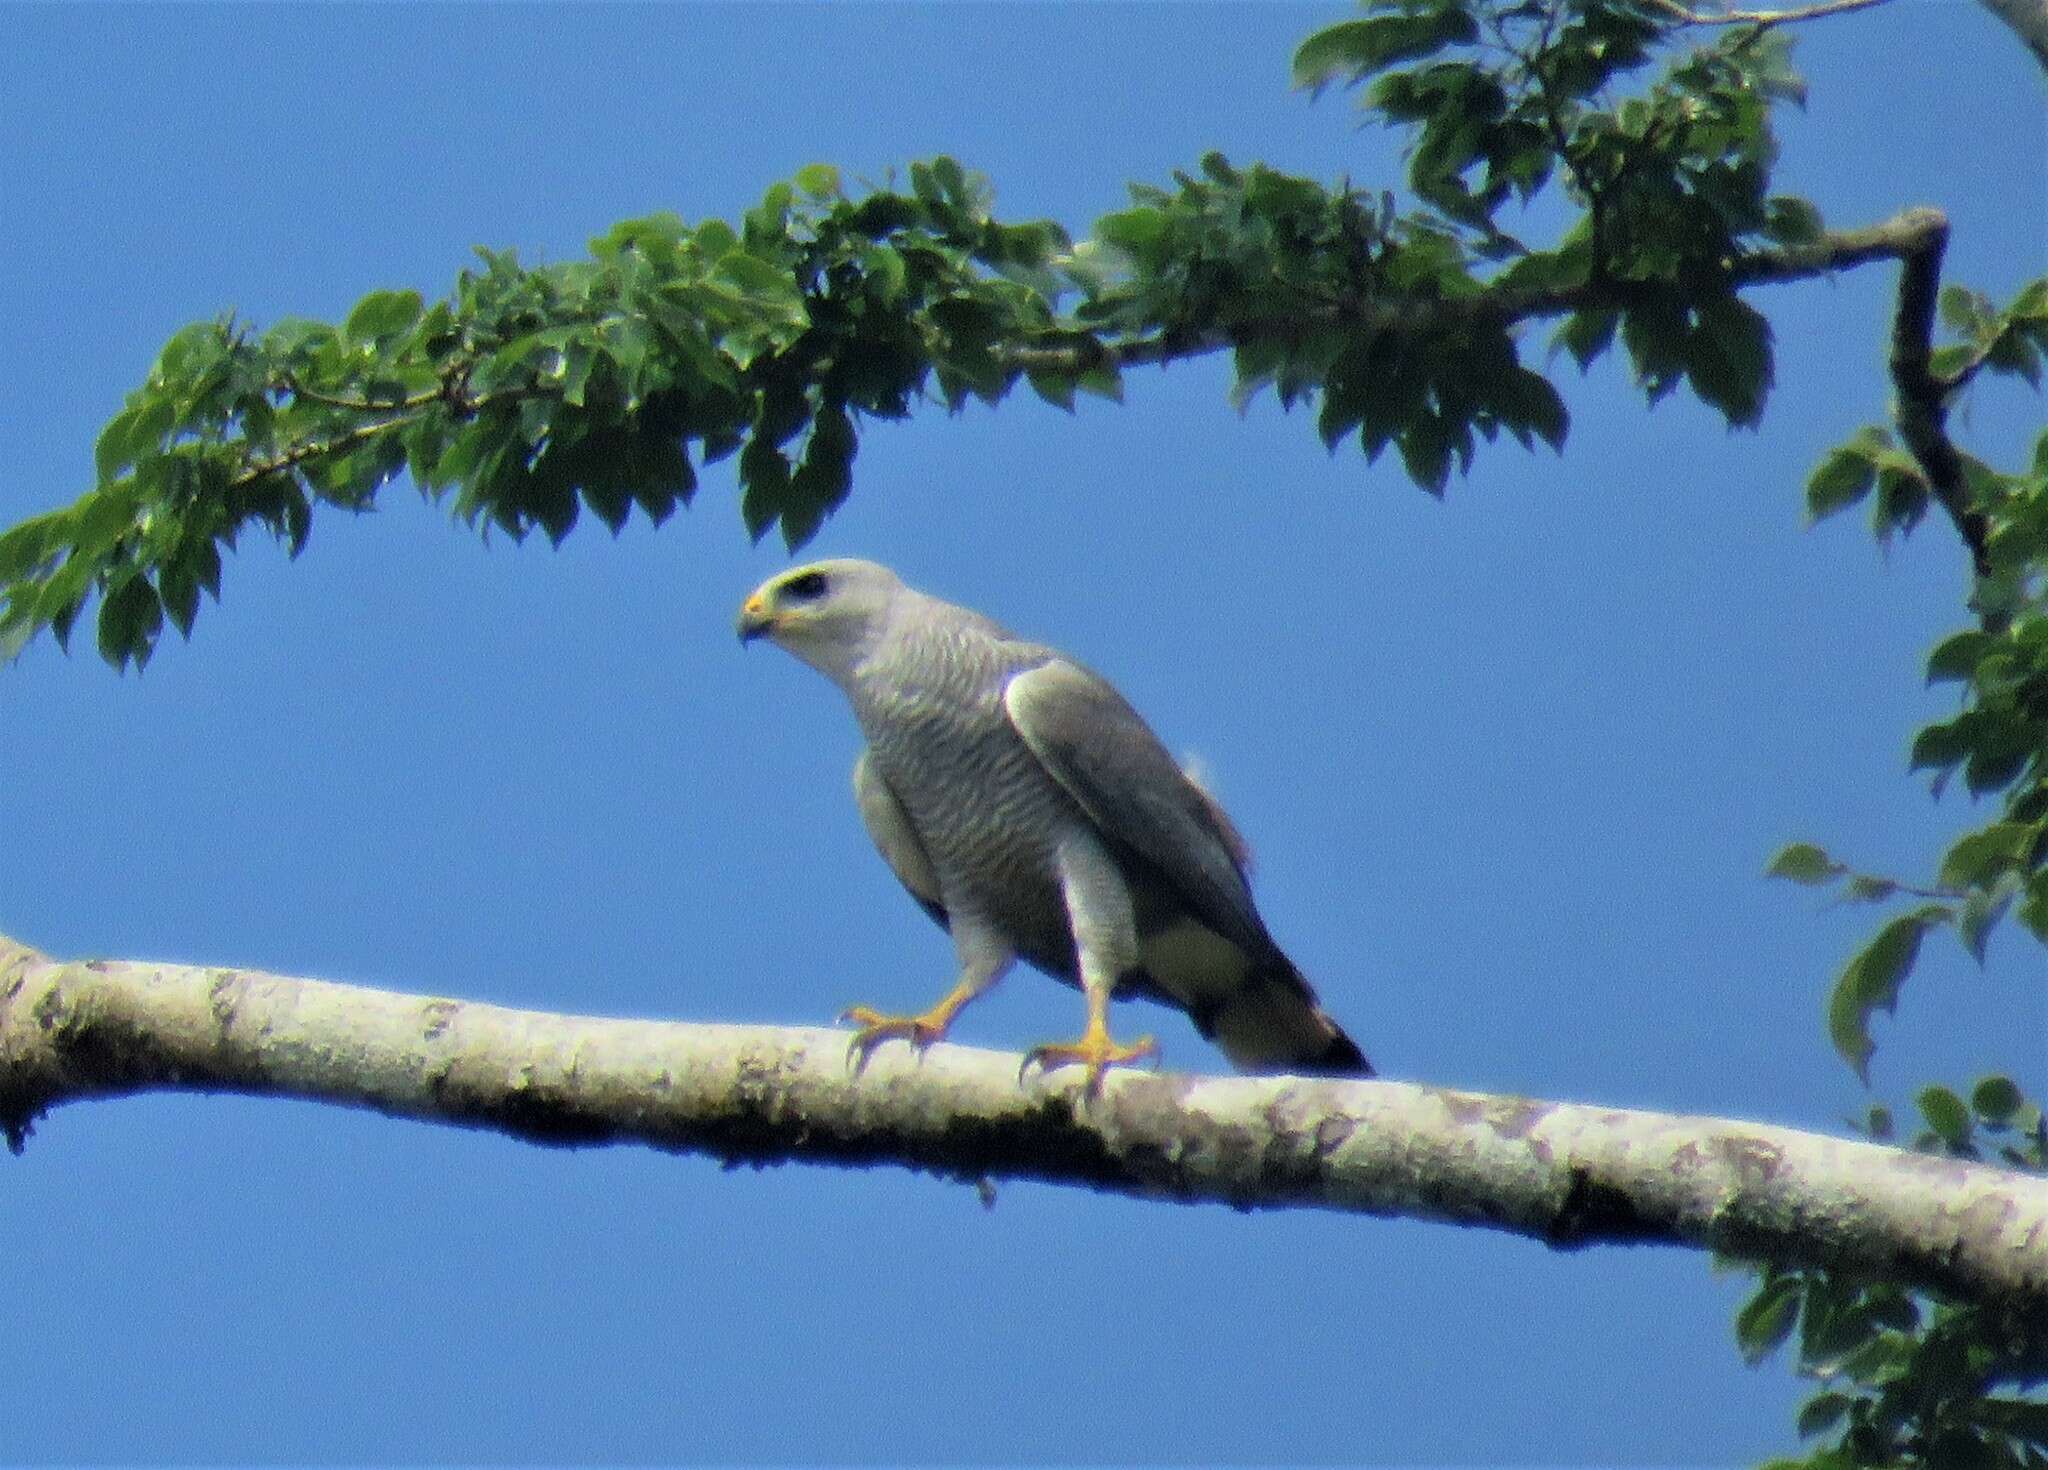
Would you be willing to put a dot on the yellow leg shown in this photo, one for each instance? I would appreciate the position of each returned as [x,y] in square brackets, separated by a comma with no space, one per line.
[919,1031]
[1094,1050]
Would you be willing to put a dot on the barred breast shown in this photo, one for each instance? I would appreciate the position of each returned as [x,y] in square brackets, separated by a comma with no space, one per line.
[988,814]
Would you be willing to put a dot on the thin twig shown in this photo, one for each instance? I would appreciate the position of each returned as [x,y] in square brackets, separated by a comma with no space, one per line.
[363,405]
[1897,238]
[412,408]
[292,459]
[1692,17]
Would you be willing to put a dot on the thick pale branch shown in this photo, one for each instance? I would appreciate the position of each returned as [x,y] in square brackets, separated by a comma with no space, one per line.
[1565,1174]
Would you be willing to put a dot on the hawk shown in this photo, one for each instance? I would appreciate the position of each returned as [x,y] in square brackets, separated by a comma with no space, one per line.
[1033,813]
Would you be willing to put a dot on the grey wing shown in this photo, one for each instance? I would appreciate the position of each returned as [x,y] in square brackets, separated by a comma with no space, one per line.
[1106,757]
[896,839]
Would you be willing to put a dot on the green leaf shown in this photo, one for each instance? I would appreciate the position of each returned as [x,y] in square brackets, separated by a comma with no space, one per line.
[1870,982]
[1967,312]
[114,450]
[1529,402]
[765,472]
[1957,657]
[2005,743]
[2012,352]
[1978,858]
[1767,1318]
[1587,334]
[714,238]
[1790,220]
[1945,363]
[1946,1115]
[1354,49]
[1938,747]
[1981,911]
[819,180]
[178,585]
[1426,447]
[383,314]
[1134,231]
[577,364]
[653,234]
[1728,359]
[1055,388]
[1656,334]
[1996,1099]
[62,598]
[15,632]
[495,370]
[610,503]
[1878,1358]
[821,482]
[29,544]
[1822,1412]
[1843,478]
[762,283]
[1802,862]
[1105,381]
[130,618]
[105,515]
[1834,1320]
[768,221]
[952,181]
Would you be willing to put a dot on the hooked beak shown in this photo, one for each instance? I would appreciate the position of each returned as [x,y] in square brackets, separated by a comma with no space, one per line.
[756,619]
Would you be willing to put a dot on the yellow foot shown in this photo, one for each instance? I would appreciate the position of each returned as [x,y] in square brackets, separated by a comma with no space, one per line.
[876,1028]
[1094,1050]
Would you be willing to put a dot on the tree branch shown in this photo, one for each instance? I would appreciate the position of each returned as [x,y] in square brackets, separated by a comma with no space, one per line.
[1565,1174]
[1911,234]
[319,449]
[1923,398]
[1691,17]
[1916,238]
[362,405]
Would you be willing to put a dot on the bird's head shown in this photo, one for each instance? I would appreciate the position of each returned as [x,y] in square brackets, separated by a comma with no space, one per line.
[828,613]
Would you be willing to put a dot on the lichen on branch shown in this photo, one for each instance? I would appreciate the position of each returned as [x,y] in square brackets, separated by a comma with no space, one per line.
[1568,1175]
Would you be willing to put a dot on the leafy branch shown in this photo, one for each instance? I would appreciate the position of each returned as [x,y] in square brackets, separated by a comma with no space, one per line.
[532,394]
[1908,1380]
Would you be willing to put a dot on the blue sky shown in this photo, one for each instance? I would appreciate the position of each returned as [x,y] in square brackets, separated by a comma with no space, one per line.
[1511,762]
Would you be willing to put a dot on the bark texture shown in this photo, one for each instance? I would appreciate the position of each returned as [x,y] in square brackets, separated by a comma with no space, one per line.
[1565,1174]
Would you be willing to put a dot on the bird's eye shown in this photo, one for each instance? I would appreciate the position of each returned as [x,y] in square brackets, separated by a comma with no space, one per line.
[807,588]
